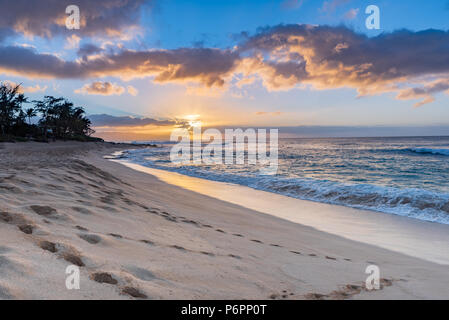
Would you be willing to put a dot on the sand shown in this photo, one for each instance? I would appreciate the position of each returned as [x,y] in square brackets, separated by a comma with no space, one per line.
[134,236]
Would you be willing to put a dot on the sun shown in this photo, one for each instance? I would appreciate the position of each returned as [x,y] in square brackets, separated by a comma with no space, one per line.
[193,120]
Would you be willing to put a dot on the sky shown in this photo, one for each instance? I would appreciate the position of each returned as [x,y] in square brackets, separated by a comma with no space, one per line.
[141,67]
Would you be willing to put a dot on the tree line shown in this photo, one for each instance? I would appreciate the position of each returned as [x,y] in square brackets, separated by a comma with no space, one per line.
[58,118]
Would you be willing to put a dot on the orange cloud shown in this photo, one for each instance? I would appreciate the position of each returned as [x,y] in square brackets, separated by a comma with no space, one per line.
[282,57]
[101,88]
[26,89]
[46,18]
[425,93]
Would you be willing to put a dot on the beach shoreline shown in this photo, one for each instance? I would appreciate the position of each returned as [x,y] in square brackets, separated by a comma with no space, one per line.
[421,239]
[168,242]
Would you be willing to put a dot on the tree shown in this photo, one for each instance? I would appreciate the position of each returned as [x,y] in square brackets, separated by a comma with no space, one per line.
[47,107]
[58,117]
[11,101]
[30,113]
[64,120]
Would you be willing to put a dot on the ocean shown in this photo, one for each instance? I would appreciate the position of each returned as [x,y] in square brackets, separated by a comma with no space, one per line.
[402,176]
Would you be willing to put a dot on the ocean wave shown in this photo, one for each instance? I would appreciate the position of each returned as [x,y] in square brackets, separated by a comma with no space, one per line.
[442,152]
[416,203]
[412,202]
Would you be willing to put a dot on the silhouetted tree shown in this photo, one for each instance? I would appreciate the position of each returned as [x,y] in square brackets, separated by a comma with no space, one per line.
[11,101]
[64,120]
[58,117]
[30,113]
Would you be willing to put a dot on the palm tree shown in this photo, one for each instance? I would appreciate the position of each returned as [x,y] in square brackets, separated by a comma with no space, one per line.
[47,108]
[30,113]
[57,115]
[11,101]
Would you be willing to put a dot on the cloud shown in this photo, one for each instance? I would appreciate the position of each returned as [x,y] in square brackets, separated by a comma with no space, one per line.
[105,120]
[34,89]
[132,91]
[203,65]
[72,42]
[25,89]
[352,14]
[89,49]
[101,88]
[334,57]
[425,92]
[46,18]
[281,57]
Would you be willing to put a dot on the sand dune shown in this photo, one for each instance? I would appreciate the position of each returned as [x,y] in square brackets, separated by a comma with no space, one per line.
[135,237]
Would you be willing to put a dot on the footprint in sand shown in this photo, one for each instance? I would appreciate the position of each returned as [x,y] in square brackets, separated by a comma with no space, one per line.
[48,246]
[26,228]
[18,220]
[73,259]
[178,248]
[348,291]
[191,222]
[208,253]
[133,292]
[284,295]
[91,238]
[315,296]
[103,277]
[44,210]
[82,210]
[115,235]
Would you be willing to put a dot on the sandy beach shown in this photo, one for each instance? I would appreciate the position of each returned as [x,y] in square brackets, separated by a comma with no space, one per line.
[135,236]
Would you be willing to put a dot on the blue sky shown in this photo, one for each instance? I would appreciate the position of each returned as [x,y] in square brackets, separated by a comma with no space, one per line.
[184,23]
[260,90]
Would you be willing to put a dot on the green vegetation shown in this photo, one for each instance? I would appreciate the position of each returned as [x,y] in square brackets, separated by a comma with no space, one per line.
[59,118]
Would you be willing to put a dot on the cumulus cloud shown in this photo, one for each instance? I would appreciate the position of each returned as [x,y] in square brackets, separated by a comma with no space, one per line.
[25,89]
[105,120]
[46,18]
[334,57]
[203,65]
[282,57]
[425,92]
[101,88]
